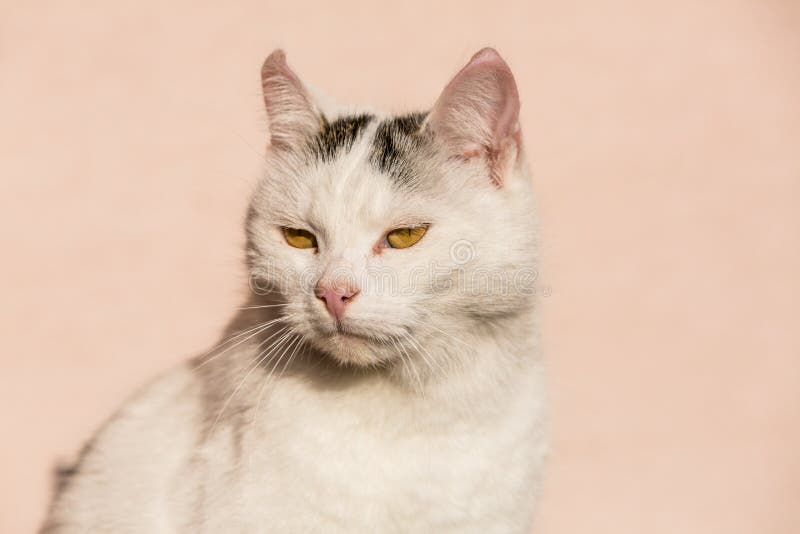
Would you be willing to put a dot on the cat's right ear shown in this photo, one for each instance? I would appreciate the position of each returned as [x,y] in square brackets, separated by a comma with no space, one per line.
[292,114]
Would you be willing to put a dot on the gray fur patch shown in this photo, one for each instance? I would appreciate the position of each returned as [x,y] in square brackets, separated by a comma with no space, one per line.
[337,136]
[397,143]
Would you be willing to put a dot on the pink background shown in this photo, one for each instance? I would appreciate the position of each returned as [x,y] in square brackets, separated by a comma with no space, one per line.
[665,142]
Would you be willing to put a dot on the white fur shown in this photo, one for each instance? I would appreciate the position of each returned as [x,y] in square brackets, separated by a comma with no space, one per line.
[439,425]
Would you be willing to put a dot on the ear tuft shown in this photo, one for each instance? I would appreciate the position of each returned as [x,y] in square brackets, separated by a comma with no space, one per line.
[290,110]
[477,114]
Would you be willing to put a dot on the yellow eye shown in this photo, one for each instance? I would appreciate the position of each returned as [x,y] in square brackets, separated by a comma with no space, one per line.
[299,238]
[405,237]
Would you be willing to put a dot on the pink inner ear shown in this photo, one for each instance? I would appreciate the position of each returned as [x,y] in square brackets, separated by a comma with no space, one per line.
[507,106]
[290,110]
[478,111]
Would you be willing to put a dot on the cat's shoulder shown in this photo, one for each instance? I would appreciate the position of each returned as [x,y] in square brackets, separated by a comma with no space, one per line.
[143,440]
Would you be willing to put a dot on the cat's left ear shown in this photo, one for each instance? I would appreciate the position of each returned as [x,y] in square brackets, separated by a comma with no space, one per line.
[290,109]
[477,114]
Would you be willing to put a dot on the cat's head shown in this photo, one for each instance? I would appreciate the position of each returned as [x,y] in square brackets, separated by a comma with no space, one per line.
[385,234]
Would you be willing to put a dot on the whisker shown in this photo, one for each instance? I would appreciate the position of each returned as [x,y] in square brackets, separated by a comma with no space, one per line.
[281,330]
[260,307]
[233,336]
[291,357]
[259,359]
[258,329]
[408,365]
[278,359]
[451,336]
[269,375]
[447,334]
[420,349]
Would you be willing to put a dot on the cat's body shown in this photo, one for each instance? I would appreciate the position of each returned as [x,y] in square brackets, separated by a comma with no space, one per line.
[418,408]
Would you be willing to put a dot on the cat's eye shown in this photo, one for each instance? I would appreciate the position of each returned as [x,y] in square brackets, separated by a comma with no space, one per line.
[405,237]
[299,238]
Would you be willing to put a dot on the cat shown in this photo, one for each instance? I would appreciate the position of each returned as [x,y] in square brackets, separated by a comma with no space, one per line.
[385,374]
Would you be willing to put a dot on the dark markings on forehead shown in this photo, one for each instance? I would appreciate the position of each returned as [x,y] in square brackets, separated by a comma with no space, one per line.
[338,135]
[397,144]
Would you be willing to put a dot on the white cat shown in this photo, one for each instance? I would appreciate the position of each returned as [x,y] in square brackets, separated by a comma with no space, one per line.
[385,375]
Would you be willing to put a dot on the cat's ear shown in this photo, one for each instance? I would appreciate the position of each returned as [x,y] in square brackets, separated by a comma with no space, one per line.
[477,114]
[290,109]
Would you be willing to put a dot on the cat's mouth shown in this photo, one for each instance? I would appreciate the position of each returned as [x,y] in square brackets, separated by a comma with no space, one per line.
[351,344]
[344,331]
[351,340]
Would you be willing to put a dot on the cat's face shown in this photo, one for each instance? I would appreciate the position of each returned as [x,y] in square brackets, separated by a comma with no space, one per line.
[383,232]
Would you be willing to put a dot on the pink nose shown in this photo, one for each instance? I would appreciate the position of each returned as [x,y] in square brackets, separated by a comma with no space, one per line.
[335,298]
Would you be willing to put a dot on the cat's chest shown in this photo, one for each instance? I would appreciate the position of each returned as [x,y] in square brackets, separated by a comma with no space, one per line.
[335,457]
[372,444]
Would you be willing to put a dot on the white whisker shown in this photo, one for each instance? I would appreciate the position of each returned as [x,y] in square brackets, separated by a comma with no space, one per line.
[420,349]
[258,329]
[268,380]
[259,359]
[408,365]
[260,307]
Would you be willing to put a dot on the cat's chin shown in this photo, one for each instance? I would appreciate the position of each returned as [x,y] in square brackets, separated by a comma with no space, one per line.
[351,349]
